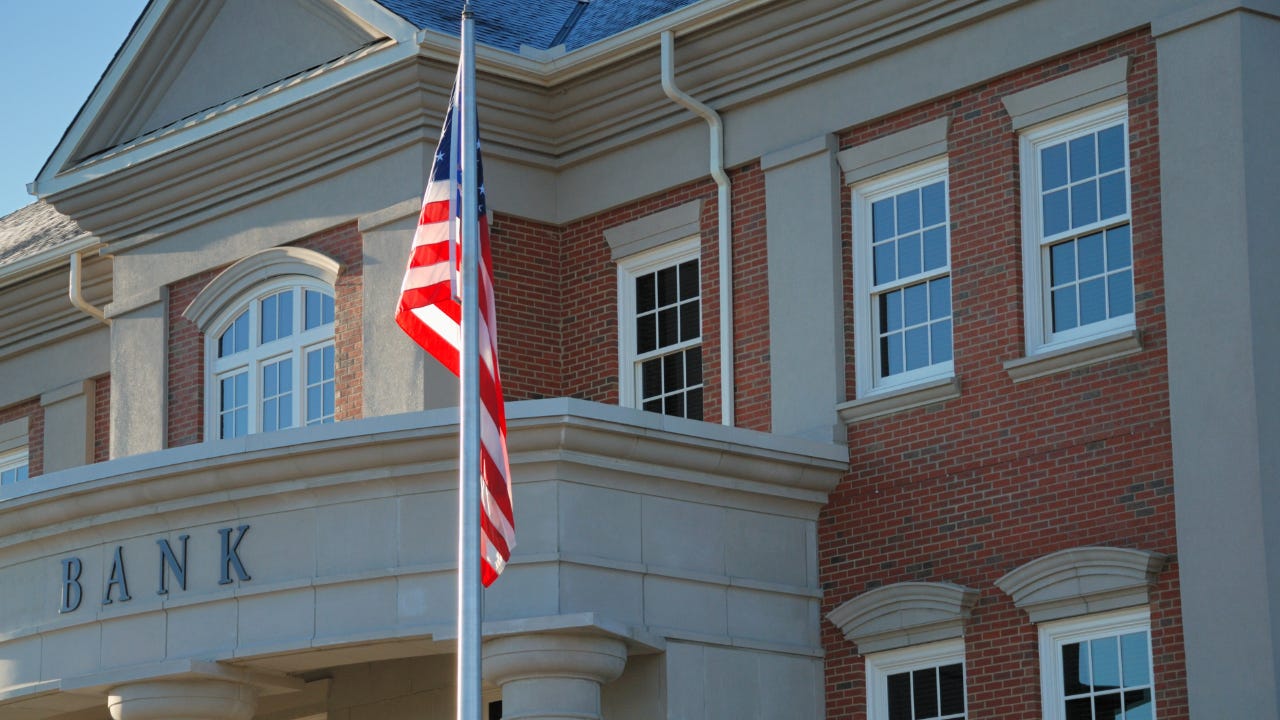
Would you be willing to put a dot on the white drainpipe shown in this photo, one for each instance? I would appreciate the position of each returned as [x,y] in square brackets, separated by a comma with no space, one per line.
[74,289]
[724,245]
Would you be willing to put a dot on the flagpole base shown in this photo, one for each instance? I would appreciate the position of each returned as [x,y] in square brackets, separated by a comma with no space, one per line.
[552,676]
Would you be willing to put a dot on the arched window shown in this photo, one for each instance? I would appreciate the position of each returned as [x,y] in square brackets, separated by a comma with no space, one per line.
[268,323]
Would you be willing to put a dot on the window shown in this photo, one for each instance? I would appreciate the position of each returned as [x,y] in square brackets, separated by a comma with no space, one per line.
[13,466]
[1097,667]
[272,361]
[902,271]
[923,682]
[660,330]
[1078,247]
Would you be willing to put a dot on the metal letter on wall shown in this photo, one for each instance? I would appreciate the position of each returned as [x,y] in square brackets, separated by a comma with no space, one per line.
[230,556]
[72,593]
[117,579]
[167,558]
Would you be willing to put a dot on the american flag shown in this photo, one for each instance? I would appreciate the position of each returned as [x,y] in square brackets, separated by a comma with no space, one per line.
[431,314]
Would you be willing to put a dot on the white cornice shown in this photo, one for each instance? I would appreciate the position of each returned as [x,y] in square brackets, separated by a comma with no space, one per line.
[732,465]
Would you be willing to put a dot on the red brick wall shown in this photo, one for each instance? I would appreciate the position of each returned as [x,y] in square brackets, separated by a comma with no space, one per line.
[344,244]
[102,419]
[34,413]
[186,344]
[528,288]
[590,295]
[970,489]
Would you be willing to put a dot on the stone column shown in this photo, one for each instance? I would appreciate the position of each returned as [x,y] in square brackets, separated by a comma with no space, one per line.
[552,676]
[188,699]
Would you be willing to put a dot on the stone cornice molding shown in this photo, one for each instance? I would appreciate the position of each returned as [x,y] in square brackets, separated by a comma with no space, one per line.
[906,613]
[230,284]
[1082,580]
[606,444]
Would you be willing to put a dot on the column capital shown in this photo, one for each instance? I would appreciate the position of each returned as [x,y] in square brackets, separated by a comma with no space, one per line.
[552,676]
[186,699]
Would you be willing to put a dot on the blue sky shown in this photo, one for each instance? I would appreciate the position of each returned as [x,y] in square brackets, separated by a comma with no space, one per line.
[52,53]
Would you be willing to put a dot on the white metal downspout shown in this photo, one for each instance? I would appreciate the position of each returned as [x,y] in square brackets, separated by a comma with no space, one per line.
[74,289]
[725,245]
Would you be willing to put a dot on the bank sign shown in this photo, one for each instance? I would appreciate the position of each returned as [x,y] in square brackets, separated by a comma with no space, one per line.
[172,564]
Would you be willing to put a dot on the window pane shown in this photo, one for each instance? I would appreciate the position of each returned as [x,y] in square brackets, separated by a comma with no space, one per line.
[925,692]
[940,340]
[668,289]
[646,293]
[909,255]
[1062,263]
[1137,705]
[891,311]
[1118,249]
[269,416]
[227,426]
[1106,663]
[236,337]
[328,362]
[1089,252]
[1120,294]
[1053,166]
[1133,648]
[917,343]
[1111,148]
[933,199]
[689,280]
[668,327]
[1111,191]
[1093,301]
[940,298]
[1082,158]
[882,226]
[315,402]
[1084,203]
[935,248]
[885,263]
[651,378]
[900,696]
[241,422]
[674,405]
[267,320]
[673,372]
[1055,210]
[1075,669]
[891,355]
[693,366]
[908,212]
[693,404]
[653,405]
[327,406]
[284,319]
[1080,709]
[319,309]
[689,321]
[646,333]
[916,304]
[951,688]
[1064,309]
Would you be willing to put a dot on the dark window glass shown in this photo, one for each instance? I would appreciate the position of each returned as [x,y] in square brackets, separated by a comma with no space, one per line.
[951,689]
[646,293]
[668,288]
[925,692]
[900,696]
[689,280]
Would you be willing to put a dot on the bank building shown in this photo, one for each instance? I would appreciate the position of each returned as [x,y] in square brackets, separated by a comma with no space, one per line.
[864,360]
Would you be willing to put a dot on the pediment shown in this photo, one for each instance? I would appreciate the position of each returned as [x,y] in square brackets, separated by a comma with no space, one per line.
[186,58]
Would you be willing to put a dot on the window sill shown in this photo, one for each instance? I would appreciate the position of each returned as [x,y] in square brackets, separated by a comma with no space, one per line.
[898,399]
[1107,347]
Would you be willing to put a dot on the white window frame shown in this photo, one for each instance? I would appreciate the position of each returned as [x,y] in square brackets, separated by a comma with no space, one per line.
[296,347]
[866,325]
[629,268]
[880,665]
[1040,338]
[1055,634]
[14,459]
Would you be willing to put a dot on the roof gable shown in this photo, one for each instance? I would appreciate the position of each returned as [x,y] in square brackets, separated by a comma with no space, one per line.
[184,59]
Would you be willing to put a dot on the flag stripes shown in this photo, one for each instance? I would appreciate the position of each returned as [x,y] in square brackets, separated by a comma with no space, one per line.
[431,315]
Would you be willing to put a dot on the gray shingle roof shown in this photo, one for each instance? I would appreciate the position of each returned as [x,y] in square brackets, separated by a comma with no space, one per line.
[508,24]
[34,229]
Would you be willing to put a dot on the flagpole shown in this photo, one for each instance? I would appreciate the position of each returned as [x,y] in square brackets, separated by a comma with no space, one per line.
[469,394]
